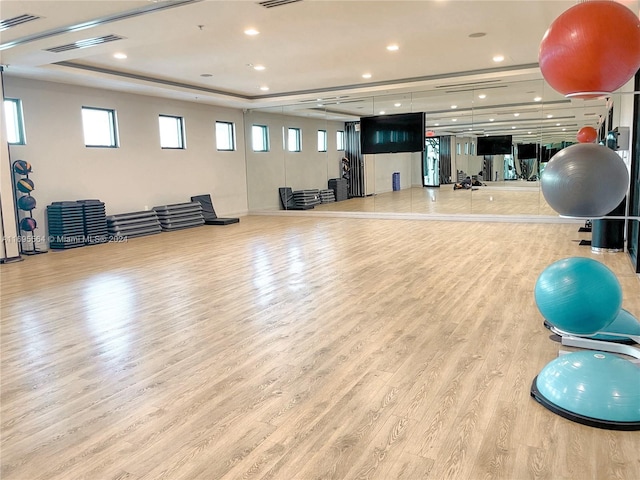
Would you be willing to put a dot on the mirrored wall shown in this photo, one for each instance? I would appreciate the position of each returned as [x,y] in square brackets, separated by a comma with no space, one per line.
[305,145]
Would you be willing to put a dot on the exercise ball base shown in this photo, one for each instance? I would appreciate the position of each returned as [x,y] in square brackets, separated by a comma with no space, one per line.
[606,250]
[576,417]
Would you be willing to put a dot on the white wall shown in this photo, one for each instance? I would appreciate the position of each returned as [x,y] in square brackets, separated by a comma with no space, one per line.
[385,165]
[139,173]
[307,169]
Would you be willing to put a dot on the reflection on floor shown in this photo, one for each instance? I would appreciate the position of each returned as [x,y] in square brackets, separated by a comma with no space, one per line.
[495,198]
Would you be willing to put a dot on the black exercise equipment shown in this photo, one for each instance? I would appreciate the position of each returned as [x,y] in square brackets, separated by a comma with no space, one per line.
[209,213]
[288,202]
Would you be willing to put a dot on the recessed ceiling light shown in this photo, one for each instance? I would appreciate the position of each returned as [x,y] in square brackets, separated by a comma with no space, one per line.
[366,75]
[529,133]
[482,96]
[436,124]
[392,48]
[251,32]
[397,104]
[537,99]
[120,56]
[454,106]
[470,129]
[491,119]
[454,119]
[259,67]
[557,124]
[516,114]
[498,58]
[206,75]
[564,129]
[381,112]
[549,116]
[513,128]
[264,89]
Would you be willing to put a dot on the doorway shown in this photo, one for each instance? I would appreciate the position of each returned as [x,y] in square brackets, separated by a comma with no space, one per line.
[431,162]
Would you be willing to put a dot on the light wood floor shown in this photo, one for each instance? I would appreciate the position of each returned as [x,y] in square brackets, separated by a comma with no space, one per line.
[501,198]
[295,348]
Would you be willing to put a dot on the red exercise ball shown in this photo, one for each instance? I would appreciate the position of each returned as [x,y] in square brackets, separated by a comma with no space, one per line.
[587,135]
[591,49]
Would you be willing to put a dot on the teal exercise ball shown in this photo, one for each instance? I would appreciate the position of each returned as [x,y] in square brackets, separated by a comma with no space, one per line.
[596,386]
[578,295]
[585,180]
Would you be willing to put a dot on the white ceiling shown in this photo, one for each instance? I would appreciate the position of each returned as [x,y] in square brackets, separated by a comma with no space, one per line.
[315,53]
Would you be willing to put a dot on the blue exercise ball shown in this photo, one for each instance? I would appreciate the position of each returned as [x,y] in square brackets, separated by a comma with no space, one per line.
[595,388]
[585,180]
[578,295]
[28,224]
[26,202]
[22,167]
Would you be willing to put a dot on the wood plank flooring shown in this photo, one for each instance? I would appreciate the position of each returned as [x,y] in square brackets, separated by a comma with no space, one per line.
[295,348]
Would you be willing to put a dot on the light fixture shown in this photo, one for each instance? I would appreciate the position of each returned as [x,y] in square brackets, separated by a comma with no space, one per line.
[498,58]
[516,114]
[397,104]
[436,124]
[259,67]
[454,106]
[482,96]
[513,128]
[120,56]
[491,119]
[381,112]
[549,116]
[558,124]
[264,89]
[537,99]
[366,75]
[528,133]
[393,48]
[251,32]
[454,119]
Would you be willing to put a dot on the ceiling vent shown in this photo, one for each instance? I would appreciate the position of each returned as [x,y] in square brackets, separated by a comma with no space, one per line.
[89,42]
[276,3]
[19,20]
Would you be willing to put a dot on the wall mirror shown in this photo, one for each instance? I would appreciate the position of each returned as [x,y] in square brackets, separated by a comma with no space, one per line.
[303,149]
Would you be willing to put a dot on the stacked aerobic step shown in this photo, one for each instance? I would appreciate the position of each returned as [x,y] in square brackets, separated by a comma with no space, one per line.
[327,196]
[340,188]
[66,225]
[306,197]
[95,222]
[180,215]
[134,224]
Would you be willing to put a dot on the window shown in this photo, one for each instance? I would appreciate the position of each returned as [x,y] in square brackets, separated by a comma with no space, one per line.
[340,139]
[171,132]
[322,140]
[260,138]
[15,122]
[225,136]
[294,140]
[99,126]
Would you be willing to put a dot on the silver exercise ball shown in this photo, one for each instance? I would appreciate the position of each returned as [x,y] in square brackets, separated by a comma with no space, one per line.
[585,180]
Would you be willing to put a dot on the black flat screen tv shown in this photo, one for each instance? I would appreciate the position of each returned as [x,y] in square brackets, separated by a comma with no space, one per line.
[392,133]
[494,145]
[527,150]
